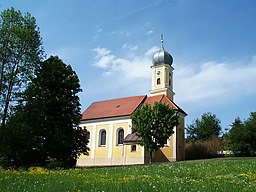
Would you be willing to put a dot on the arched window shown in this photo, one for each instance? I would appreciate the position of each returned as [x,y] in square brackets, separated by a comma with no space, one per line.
[158,81]
[120,136]
[102,137]
[88,135]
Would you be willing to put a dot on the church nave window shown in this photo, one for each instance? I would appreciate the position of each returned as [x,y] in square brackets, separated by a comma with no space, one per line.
[120,136]
[102,138]
[88,135]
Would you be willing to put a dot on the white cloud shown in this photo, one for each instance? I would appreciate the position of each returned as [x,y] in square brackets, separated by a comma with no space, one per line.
[104,58]
[129,69]
[214,82]
[123,33]
[130,47]
[211,83]
[150,32]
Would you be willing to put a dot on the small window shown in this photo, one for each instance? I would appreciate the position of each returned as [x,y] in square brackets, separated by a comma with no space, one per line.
[133,148]
[158,81]
[102,137]
[88,135]
[120,136]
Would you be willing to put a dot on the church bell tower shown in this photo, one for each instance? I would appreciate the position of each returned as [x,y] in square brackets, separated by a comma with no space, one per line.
[162,73]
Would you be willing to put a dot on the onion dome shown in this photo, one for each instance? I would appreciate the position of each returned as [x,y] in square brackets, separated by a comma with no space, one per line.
[162,57]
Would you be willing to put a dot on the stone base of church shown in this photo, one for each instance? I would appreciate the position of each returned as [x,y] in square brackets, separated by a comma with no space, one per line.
[134,160]
[109,161]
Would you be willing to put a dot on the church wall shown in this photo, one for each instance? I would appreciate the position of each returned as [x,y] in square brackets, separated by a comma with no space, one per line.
[118,150]
[168,149]
[102,151]
[134,157]
[165,153]
[88,128]
[111,153]
[138,152]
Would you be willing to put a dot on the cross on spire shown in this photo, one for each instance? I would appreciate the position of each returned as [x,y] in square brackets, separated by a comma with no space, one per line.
[162,42]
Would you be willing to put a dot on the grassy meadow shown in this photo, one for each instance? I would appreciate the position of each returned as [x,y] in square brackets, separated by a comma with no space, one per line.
[227,174]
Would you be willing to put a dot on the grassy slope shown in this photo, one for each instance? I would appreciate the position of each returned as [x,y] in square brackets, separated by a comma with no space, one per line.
[230,174]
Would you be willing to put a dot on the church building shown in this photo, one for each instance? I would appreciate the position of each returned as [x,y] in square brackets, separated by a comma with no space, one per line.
[109,126]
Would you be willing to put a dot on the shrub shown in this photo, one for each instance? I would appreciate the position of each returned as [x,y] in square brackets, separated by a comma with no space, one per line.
[202,149]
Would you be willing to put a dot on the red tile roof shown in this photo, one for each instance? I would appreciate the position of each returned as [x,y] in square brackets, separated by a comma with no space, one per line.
[113,108]
[123,106]
[163,99]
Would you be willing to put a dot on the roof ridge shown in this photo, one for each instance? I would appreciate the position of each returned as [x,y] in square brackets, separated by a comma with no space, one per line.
[162,96]
[181,110]
[120,98]
[142,102]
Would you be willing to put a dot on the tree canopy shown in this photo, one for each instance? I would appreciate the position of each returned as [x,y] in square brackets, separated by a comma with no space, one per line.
[242,136]
[154,124]
[205,128]
[50,116]
[21,53]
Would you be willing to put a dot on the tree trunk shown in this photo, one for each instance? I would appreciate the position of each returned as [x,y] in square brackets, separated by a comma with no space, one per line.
[150,157]
[9,94]
[2,77]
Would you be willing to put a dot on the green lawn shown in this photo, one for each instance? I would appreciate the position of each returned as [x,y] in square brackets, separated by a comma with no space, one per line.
[230,174]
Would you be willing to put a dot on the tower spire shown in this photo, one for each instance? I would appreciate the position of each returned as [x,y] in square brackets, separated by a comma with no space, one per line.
[162,42]
[162,73]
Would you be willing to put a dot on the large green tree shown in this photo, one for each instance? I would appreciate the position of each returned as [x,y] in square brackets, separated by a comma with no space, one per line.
[20,142]
[154,124]
[52,99]
[242,136]
[50,117]
[205,128]
[20,55]
[238,137]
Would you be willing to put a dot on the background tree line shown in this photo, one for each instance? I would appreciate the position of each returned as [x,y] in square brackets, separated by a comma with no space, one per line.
[204,138]
[39,103]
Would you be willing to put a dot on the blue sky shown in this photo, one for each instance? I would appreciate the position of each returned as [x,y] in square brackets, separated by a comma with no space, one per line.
[110,45]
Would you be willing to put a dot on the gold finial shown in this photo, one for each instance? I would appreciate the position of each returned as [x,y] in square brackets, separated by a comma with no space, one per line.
[162,42]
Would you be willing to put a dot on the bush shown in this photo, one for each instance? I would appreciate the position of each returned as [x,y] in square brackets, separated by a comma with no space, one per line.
[202,149]
[55,164]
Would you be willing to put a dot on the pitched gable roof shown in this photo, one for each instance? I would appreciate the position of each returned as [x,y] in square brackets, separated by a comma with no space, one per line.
[113,108]
[163,99]
[132,138]
[124,106]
